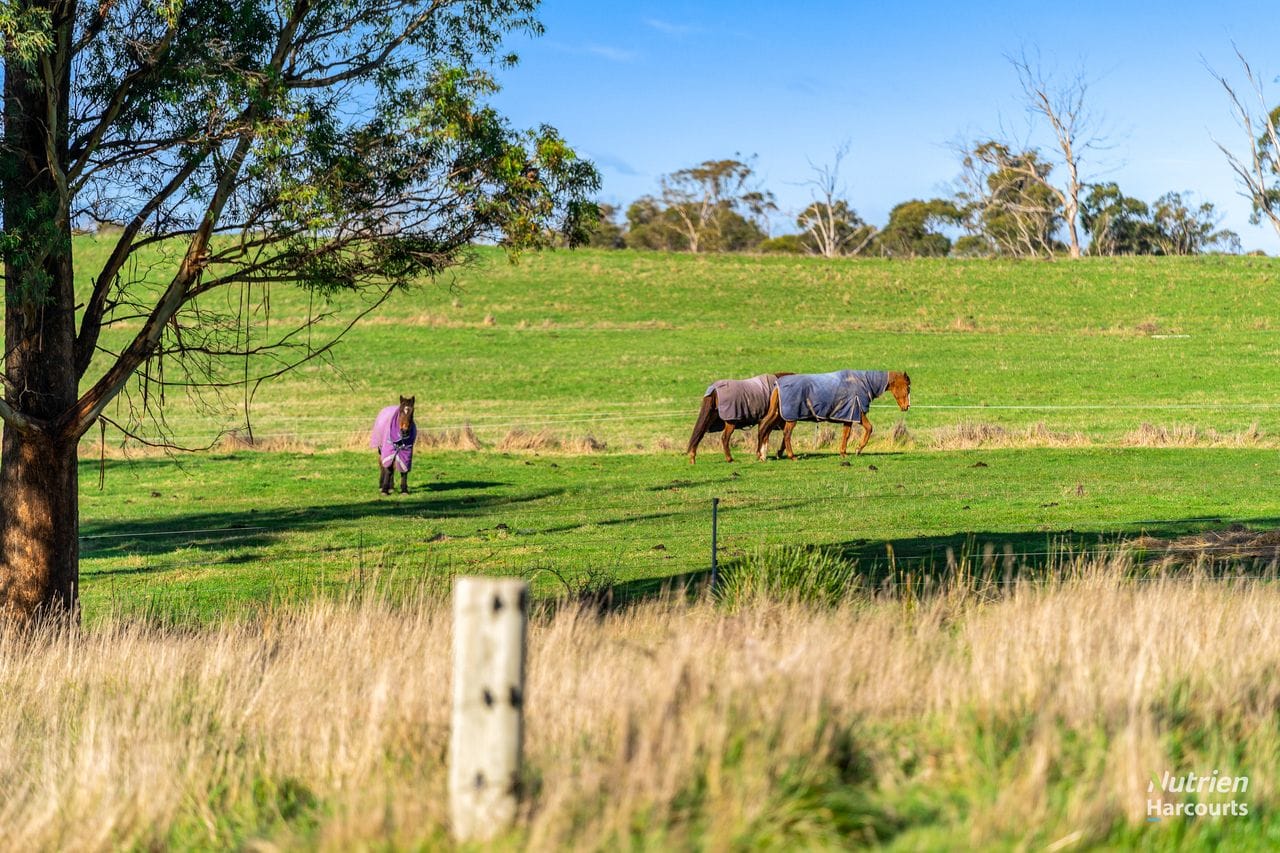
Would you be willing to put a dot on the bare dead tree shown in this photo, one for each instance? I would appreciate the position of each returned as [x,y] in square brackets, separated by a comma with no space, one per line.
[829,221]
[1257,171]
[1062,105]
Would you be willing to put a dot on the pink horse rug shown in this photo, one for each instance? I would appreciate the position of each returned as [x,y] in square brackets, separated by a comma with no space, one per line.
[393,448]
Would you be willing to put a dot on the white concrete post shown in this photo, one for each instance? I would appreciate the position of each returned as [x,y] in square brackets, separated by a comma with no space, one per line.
[489,616]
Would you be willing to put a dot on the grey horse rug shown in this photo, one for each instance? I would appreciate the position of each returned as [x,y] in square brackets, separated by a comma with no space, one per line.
[841,396]
[743,401]
[393,448]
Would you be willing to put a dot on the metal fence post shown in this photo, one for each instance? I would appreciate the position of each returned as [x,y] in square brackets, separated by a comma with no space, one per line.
[715,564]
[490,616]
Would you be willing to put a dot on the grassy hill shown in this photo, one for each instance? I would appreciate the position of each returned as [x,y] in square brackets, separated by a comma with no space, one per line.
[1055,405]
[619,345]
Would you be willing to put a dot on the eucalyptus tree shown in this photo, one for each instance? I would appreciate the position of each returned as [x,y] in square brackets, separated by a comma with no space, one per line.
[1061,104]
[716,206]
[1006,199]
[1186,228]
[1258,172]
[1116,223]
[335,145]
[830,226]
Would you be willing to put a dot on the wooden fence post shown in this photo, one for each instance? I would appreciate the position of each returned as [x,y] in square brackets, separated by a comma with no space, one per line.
[489,616]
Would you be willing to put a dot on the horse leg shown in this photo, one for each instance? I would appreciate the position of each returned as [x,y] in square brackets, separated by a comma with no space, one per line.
[404,482]
[724,441]
[707,419]
[844,439]
[786,439]
[866,434]
[767,424]
[762,439]
[384,481]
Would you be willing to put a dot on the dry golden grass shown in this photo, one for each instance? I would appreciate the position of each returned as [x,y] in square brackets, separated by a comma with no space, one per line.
[969,435]
[1236,545]
[1151,435]
[453,438]
[281,443]
[519,439]
[965,435]
[583,445]
[231,441]
[1036,716]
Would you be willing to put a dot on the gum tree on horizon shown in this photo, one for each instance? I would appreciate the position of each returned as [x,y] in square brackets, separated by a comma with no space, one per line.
[335,145]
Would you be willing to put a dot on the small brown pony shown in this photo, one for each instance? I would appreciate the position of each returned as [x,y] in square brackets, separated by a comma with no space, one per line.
[393,436]
[744,410]
[899,384]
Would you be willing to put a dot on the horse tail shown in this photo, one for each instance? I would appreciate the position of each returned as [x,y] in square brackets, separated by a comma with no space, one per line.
[708,419]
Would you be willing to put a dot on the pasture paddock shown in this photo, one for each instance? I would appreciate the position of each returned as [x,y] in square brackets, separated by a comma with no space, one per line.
[1060,409]
[226,530]
[1054,403]
[616,345]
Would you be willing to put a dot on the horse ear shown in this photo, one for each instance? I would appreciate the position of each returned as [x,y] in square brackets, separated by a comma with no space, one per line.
[403,399]
[413,400]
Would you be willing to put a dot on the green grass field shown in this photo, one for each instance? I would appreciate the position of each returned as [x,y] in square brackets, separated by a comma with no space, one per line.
[621,344]
[1063,413]
[1037,390]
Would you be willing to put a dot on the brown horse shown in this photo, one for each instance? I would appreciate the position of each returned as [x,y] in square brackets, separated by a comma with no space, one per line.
[392,437]
[841,397]
[730,404]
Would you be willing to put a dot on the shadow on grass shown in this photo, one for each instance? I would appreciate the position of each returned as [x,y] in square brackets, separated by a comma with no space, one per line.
[238,529]
[996,556]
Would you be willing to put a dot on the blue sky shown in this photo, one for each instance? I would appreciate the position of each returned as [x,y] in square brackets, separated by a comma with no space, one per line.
[644,89]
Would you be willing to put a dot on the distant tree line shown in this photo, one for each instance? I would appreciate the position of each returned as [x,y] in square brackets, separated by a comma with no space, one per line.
[1011,200]
[1005,208]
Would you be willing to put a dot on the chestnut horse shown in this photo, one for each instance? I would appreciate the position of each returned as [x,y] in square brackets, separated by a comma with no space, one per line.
[840,397]
[393,435]
[730,404]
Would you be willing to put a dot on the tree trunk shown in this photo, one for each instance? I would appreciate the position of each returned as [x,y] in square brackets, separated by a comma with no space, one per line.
[39,527]
[39,499]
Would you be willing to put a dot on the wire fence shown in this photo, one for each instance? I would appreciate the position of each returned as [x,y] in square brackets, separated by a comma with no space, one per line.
[578,541]
[313,428]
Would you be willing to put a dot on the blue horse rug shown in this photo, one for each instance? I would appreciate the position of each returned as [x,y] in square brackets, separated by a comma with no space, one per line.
[392,447]
[842,396]
[743,401]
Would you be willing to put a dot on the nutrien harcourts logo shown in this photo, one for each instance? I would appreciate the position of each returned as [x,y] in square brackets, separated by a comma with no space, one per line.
[1191,784]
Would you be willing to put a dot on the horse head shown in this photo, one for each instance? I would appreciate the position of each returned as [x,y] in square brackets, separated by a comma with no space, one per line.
[405,414]
[900,386]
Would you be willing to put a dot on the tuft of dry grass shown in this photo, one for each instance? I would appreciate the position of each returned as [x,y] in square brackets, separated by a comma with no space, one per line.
[968,435]
[519,438]
[901,435]
[1015,721]
[584,444]
[1213,549]
[279,442]
[450,438]
[1151,435]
